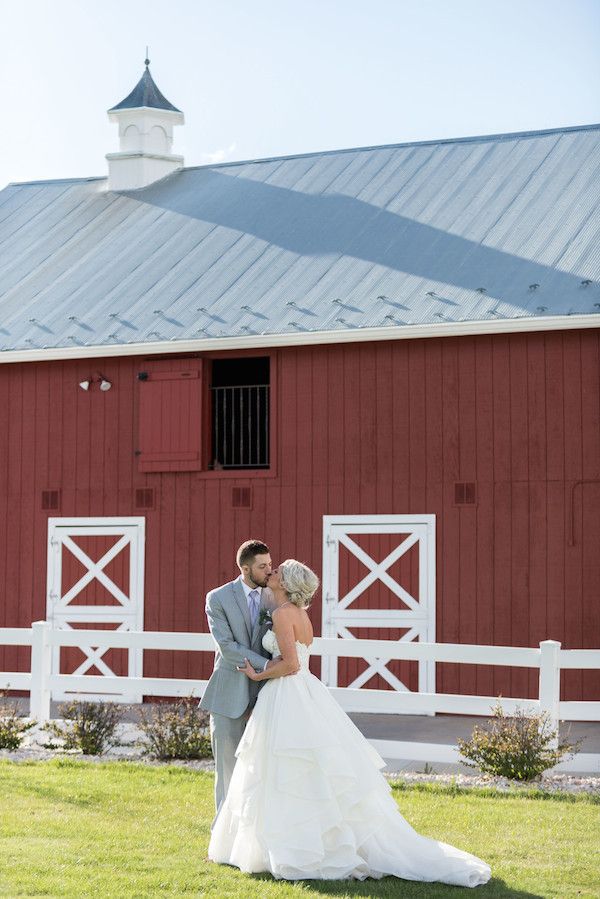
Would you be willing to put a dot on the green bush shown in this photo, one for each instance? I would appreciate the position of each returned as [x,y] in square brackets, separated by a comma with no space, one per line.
[177,730]
[517,746]
[13,726]
[88,726]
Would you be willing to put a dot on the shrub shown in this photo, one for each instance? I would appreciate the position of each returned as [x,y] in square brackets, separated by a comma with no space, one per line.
[177,730]
[517,747]
[88,726]
[13,725]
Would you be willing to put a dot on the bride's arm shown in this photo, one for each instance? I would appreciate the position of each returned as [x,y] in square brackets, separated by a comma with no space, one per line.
[288,663]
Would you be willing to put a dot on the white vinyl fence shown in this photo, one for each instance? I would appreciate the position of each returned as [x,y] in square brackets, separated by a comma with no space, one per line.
[548,658]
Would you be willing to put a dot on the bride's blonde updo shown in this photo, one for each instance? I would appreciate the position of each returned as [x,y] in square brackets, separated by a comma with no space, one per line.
[299,581]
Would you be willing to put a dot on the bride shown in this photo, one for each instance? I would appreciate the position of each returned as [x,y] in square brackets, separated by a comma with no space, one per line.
[307,799]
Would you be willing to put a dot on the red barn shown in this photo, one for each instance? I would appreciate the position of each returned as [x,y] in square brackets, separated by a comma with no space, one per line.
[384,361]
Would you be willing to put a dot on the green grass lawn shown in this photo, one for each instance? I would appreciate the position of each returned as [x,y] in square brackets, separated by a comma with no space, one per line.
[70,828]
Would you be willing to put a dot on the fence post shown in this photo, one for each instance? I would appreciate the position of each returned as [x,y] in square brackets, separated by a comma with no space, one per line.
[550,683]
[41,661]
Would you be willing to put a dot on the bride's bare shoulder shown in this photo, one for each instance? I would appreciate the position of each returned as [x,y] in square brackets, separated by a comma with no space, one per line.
[286,610]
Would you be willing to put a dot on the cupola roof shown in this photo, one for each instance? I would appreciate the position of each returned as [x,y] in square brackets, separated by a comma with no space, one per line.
[145,94]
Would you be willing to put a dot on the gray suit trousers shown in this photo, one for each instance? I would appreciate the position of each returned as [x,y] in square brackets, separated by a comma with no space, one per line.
[225,734]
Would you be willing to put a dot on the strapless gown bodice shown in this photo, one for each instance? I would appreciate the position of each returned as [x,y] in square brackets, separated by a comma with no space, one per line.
[269,642]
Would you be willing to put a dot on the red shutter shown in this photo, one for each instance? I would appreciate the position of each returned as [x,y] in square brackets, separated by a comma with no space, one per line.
[170,410]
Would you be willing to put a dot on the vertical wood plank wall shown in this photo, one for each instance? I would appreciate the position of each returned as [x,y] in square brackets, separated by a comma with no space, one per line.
[362,429]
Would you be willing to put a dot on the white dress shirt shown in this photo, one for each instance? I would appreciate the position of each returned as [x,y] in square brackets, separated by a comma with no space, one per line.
[248,590]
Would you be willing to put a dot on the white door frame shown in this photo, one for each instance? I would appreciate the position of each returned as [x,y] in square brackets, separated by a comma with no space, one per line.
[417,614]
[62,610]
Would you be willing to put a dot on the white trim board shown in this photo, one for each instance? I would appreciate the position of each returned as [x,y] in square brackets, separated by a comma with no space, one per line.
[525,324]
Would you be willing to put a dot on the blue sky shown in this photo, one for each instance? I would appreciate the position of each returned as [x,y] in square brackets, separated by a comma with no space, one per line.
[259,78]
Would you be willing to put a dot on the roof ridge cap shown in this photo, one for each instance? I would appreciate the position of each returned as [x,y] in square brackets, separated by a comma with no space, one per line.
[420,143]
[56,181]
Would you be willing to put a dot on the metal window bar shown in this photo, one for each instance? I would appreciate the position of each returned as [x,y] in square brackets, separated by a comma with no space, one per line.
[240,422]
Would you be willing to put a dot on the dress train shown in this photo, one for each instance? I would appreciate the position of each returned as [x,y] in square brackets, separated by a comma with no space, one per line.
[307,799]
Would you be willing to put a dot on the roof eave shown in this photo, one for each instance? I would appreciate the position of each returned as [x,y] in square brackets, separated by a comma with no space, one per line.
[173,111]
[308,338]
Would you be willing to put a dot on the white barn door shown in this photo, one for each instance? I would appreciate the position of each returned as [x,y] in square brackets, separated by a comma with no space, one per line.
[96,581]
[379,574]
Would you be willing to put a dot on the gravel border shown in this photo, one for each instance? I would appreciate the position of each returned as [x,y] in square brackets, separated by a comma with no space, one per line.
[548,783]
[129,749]
[552,783]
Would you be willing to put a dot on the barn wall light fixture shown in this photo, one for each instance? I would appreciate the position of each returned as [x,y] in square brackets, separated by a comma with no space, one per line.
[97,378]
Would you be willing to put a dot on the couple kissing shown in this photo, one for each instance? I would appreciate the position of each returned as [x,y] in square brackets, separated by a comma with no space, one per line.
[298,789]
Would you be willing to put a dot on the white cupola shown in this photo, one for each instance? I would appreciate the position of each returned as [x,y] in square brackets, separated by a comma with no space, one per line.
[145,119]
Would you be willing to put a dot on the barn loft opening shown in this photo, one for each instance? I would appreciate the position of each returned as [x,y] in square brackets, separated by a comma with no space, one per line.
[240,412]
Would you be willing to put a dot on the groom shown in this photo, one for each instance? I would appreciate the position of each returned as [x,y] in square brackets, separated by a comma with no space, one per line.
[233,612]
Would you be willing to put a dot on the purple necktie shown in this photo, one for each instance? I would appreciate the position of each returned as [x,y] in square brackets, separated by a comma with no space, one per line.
[254,601]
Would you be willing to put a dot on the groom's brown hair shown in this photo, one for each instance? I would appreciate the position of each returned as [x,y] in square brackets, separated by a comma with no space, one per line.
[248,551]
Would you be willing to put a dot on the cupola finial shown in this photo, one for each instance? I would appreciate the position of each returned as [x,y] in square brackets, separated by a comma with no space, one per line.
[146,61]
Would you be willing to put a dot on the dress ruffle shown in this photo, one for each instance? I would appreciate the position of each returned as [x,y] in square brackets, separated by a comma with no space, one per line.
[307,799]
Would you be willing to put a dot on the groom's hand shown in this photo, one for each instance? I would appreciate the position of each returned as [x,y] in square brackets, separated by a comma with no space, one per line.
[248,670]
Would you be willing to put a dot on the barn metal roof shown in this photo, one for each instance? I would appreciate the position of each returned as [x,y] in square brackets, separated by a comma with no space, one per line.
[496,232]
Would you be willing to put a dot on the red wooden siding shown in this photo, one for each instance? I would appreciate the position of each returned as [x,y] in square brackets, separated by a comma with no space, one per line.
[361,429]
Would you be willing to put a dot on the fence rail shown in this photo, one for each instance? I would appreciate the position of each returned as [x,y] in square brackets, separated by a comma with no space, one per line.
[549,658]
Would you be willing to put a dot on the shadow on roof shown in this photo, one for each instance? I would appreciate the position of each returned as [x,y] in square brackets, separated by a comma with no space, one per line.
[338,225]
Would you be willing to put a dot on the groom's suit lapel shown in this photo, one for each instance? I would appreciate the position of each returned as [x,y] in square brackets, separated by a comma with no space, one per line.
[257,626]
[240,597]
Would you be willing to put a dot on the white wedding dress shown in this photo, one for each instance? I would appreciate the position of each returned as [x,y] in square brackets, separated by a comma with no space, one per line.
[307,799]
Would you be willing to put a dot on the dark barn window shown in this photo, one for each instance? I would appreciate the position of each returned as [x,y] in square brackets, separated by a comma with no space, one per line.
[240,413]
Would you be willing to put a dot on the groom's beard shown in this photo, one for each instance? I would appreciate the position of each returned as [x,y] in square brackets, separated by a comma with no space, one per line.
[262,583]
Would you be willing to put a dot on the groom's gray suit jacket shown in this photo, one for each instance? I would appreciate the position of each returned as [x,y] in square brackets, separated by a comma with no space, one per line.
[229,692]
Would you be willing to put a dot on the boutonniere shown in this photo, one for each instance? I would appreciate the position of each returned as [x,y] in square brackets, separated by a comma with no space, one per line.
[265,617]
